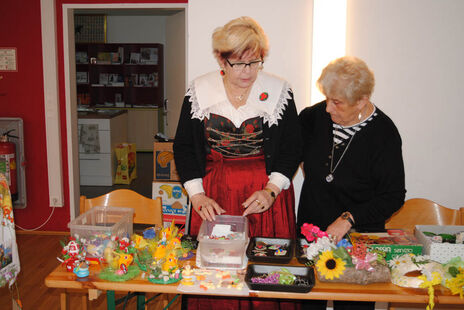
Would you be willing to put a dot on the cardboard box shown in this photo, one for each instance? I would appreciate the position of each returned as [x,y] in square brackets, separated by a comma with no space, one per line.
[394,242]
[163,162]
[440,252]
[175,201]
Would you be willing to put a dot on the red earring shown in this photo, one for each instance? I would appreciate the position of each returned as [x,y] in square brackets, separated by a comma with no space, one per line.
[223,72]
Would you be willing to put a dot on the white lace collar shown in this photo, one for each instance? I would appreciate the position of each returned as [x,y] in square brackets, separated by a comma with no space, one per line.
[208,90]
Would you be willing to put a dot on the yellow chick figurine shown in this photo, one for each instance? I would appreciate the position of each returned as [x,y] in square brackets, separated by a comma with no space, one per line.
[139,241]
[171,263]
[110,255]
[174,243]
[160,252]
[124,261]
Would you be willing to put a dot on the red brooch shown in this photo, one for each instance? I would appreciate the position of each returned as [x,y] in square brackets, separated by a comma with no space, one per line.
[263,96]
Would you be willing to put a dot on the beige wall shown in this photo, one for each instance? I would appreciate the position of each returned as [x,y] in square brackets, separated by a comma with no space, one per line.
[415,49]
[175,69]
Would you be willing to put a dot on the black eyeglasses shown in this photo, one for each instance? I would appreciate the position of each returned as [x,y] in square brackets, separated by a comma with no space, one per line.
[239,66]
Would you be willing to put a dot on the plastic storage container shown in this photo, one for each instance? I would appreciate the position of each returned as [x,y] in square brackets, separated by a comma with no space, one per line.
[304,282]
[270,250]
[227,251]
[95,227]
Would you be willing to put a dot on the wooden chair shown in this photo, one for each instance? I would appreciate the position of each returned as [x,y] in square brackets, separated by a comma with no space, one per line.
[146,211]
[420,211]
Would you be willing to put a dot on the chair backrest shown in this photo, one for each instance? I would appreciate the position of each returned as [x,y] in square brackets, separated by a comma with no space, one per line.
[147,211]
[419,211]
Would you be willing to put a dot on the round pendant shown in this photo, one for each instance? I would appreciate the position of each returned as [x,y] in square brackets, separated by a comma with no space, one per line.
[329,178]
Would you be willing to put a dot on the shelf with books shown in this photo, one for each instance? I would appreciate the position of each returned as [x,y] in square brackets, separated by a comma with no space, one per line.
[129,75]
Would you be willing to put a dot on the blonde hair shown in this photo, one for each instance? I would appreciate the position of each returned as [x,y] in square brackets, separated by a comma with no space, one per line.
[347,77]
[239,36]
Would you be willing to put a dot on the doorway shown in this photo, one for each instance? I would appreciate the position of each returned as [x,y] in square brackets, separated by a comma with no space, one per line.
[172,17]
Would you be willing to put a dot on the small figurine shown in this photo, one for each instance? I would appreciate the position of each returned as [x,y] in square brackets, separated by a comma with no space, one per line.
[124,262]
[82,268]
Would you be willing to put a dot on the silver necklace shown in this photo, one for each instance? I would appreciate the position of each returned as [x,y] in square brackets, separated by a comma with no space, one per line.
[239,98]
[330,177]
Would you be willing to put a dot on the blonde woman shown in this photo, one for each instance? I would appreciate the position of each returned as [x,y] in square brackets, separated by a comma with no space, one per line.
[237,144]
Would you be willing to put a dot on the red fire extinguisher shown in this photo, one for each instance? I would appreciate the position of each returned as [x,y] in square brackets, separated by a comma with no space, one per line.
[8,162]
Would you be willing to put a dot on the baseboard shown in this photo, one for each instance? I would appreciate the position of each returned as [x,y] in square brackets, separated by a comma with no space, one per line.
[40,232]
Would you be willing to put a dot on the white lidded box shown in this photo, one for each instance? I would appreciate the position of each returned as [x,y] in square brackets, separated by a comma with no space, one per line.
[440,252]
[95,227]
[223,242]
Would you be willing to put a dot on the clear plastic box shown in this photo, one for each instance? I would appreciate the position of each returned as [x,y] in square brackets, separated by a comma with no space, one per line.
[95,227]
[228,252]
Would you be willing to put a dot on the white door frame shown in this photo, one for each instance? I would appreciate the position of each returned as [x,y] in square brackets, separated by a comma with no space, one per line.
[55,186]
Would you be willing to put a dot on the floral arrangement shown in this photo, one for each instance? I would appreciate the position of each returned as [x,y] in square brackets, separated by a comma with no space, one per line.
[454,276]
[420,271]
[343,262]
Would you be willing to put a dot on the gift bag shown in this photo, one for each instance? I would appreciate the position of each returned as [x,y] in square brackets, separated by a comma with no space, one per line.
[126,170]
[9,258]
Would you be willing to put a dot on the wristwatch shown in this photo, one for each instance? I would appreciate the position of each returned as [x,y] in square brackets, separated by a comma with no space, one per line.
[271,192]
[347,216]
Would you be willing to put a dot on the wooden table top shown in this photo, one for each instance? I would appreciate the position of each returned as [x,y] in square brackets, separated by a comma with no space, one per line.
[381,292]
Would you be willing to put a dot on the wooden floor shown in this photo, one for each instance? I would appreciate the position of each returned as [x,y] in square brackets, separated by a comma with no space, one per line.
[37,255]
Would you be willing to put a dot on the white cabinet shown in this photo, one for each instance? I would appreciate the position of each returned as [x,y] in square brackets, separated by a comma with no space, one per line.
[98,134]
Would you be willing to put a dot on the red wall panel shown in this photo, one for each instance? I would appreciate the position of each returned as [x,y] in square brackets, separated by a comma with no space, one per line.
[21,95]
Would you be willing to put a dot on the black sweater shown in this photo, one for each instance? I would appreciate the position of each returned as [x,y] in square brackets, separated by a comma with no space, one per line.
[282,144]
[368,182]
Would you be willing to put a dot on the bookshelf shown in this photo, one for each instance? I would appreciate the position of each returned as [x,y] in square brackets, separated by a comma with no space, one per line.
[119,75]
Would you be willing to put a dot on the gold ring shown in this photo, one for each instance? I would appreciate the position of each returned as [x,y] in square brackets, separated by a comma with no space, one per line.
[259,202]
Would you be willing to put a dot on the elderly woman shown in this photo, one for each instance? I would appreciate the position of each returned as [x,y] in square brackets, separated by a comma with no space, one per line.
[237,144]
[353,165]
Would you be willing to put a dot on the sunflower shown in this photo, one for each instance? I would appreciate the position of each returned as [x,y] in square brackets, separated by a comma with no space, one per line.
[329,266]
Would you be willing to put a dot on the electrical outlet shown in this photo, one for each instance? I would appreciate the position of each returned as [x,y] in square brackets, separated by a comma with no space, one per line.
[56,202]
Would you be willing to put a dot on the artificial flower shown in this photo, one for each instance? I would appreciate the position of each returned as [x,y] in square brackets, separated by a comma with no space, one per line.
[456,284]
[365,263]
[321,245]
[329,266]
[312,232]
[395,262]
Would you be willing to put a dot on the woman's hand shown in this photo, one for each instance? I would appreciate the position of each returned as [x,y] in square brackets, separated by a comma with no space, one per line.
[206,207]
[338,229]
[258,202]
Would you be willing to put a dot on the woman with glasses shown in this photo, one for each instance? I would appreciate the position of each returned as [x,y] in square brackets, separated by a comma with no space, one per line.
[237,144]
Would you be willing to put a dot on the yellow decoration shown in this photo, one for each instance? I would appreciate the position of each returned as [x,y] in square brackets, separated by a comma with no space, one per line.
[174,243]
[428,284]
[139,241]
[456,284]
[125,259]
[160,252]
[171,263]
[329,266]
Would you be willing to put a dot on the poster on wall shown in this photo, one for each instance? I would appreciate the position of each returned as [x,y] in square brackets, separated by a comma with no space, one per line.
[8,61]
[9,258]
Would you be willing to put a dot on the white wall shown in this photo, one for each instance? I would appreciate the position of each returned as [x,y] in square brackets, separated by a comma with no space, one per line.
[136,29]
[415,49]
[287,25]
